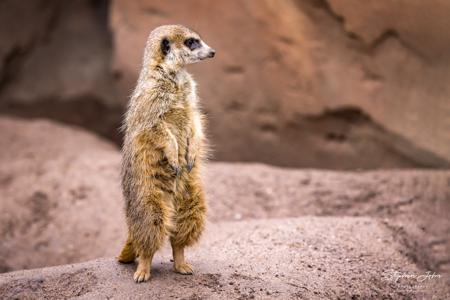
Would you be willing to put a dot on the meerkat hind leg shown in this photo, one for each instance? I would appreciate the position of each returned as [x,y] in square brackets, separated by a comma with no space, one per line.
[143,269]
[179,263]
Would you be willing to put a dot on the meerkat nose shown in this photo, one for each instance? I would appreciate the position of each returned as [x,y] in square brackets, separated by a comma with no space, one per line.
[212,53]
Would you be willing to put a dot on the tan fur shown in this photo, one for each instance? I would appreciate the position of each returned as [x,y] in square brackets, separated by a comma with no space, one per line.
[164,148]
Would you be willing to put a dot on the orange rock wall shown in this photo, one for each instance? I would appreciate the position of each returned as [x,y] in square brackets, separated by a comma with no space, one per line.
[311,83]
[306,83]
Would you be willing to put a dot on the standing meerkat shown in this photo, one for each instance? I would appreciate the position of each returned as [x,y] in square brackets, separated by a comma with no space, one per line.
[163,150]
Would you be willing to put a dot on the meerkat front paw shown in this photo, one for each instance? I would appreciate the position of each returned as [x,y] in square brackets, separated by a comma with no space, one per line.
[190,163]
[171,152]
[190,155]
[141,275]
[172,159]
[184,268]
[175,168]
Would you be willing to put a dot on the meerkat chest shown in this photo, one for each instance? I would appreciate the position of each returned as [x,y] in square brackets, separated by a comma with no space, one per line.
[180,114]
[179,117]
[187,86]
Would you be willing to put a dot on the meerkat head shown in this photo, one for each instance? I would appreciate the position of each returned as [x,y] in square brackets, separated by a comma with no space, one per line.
[174,46]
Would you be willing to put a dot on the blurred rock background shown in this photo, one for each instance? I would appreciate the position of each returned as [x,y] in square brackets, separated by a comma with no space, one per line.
[305,83]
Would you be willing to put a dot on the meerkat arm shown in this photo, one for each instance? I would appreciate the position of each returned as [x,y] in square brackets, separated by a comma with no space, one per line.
[168,142]
[171,150]
[195,141]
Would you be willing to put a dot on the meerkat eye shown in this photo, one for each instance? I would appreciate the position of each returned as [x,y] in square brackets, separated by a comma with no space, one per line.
[192,43]
[165,46]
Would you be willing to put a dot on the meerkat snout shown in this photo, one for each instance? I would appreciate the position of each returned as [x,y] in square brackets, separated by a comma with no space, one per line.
[199,48]
[211,53]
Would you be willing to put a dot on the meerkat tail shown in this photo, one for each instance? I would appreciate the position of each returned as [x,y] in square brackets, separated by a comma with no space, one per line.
[127,255]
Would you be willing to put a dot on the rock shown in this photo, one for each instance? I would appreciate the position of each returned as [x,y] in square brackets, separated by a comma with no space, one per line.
[60,195]
[314,83]
[413,203]
[421,32]
[310,257]
[328,84]
[55,51]
[55,62]
[61,199]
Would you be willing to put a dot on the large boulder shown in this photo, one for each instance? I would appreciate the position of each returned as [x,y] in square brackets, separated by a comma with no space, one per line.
[304,258]
[61,200]
[55,62]
[53,50]
[328,83]
[314,83]
[415,204]
[60,195]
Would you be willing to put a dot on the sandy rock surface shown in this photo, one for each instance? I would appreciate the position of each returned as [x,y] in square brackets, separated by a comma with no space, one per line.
[309,257]
[61,200]
[415,204]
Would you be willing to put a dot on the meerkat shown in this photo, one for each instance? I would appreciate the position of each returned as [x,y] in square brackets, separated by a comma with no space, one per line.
[163,150]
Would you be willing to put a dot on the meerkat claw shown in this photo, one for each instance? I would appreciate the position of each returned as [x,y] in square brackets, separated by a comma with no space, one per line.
[141,276]
[190,165]
[176,170]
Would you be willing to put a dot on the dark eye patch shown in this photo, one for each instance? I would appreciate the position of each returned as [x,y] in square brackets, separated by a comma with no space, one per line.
[192,43]
[165,46]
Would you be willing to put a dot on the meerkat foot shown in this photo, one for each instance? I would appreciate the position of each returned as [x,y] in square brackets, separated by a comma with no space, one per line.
[184,268]
[141,275]
[143,270]
[179,263]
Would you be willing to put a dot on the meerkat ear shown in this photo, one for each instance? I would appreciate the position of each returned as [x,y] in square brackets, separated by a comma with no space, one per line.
[165,46]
